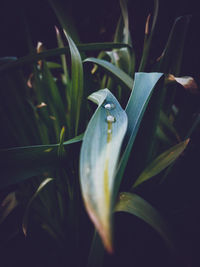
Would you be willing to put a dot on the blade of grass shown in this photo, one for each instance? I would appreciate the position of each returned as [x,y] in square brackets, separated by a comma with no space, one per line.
[96,255]
[164,120]
[26,214]
[18,164]
[63,57]
[148,37]
[171,58]
[76,93]
[53,95]
[161,162]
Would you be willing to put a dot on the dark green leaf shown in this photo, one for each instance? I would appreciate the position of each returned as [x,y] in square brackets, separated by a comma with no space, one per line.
[137,206]
[161,162]
[20,163]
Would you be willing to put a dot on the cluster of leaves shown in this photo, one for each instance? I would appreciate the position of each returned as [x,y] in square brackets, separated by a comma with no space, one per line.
[50,106]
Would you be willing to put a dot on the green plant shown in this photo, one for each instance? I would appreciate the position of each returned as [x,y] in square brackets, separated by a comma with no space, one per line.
[45,168]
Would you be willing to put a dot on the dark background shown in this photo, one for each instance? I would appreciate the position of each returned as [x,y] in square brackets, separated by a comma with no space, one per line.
[96,21]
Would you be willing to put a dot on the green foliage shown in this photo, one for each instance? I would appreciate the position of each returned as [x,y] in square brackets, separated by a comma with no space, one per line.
[50,106]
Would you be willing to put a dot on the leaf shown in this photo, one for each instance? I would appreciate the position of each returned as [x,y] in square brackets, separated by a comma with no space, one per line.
[54,97]
[18,164]
[187,82]
[123,58]
[7,205]
[25,218]
[98,160]
[76,93]
[164,121]
[96,254]
[144,83]
[171,58]
[63,57]
[12,63]
[148,36]
[137,206]
[161,162]
[53,65]
[61,149]
[117,73]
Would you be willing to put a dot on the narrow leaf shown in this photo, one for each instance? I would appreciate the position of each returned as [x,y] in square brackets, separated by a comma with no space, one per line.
[171,58]
[18,164]
[148,36]
[8,205]
[137,206]
[25,218]
[98,160]
[117,73]
[144,84]
[161,162]
[76,93]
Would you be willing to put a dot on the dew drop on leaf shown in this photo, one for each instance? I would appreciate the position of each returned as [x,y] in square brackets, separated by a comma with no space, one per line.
[110,119]
[109,106]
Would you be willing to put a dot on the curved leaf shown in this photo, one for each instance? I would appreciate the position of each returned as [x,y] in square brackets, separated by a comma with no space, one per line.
[25,218]
[161,162]
[98,160]
[8,204]
[117,73]
[139,207]
[144,84]
[171,58]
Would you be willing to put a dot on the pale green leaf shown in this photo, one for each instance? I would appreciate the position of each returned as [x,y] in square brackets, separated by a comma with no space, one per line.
[98,160]
[144,83]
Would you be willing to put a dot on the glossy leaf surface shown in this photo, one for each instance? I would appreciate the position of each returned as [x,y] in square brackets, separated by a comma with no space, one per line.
[98,160]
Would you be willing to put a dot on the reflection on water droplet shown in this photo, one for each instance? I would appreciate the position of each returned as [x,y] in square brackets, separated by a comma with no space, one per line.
[110,118]
[109,131]
[109,106]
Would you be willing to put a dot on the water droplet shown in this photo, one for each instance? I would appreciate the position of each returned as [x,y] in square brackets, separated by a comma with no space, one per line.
[109,106]
[110,118]
[109,131]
